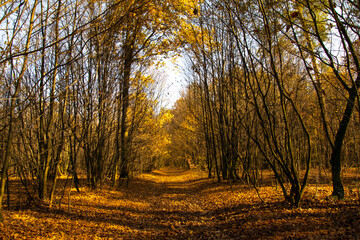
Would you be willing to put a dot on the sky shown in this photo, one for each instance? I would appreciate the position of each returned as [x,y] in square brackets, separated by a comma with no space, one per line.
[174,81]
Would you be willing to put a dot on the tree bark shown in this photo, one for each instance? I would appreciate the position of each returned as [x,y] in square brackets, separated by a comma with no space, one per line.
[128,55]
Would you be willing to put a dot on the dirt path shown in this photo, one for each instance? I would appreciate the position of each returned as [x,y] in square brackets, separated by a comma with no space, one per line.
[179,204]
[170,204]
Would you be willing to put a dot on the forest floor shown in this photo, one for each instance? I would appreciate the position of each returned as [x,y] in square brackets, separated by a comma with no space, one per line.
[174,203]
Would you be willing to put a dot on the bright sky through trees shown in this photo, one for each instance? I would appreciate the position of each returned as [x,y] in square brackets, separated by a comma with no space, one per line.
[174,82]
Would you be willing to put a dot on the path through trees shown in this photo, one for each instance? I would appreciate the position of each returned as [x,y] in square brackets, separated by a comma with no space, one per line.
[174,203]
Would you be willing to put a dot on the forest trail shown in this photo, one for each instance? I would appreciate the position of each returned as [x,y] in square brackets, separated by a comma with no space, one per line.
[173,203]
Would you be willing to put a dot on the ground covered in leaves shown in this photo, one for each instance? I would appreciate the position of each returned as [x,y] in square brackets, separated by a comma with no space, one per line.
[174,203]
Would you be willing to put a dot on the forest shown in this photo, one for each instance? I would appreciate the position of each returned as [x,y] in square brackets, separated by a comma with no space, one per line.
[270,112]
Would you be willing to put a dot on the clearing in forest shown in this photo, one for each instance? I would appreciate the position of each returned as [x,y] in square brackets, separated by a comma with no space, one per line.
[174,203]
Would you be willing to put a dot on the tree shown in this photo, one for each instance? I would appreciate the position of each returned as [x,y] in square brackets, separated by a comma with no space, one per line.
[16,79]
[347,76]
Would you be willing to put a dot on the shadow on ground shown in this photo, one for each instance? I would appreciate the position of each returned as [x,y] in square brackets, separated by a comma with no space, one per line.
[180,204]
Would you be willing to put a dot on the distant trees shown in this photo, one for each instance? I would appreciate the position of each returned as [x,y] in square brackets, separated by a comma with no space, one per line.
[186,146]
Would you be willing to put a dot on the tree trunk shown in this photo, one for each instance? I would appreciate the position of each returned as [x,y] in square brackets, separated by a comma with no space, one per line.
[128,51]
[338,189]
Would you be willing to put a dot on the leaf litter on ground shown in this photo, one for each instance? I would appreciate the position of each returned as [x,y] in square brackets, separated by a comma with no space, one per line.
[173,203]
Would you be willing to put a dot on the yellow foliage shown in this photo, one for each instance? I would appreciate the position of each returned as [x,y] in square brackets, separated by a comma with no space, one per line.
[165,117]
